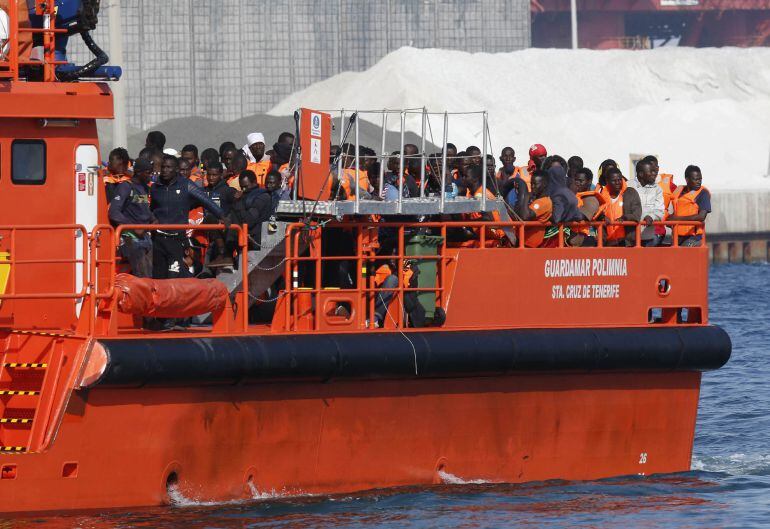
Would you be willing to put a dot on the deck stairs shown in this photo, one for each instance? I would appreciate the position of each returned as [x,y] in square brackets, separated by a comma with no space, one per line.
[265,266]
[35,385]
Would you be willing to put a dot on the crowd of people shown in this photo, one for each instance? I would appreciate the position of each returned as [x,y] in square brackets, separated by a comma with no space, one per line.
[243,186]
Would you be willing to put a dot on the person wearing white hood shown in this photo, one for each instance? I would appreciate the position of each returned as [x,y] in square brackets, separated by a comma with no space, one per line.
[258,161]
[651,195]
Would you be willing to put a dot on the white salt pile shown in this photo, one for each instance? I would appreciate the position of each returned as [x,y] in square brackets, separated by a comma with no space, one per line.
[710,107]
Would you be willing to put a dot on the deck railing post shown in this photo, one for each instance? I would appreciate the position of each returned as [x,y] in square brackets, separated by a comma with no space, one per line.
[442,196]
[243,235]
[341,155]
[484,162]
[358,168]
[384,159]
[401,165]
[422,154]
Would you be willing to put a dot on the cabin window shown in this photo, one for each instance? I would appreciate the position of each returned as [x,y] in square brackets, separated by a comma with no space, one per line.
[28,162]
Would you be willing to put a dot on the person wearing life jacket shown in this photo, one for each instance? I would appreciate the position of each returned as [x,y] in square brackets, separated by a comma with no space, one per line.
[623,205]
[492,173]
[536,206]
[116,172]
[509,170]
[281,158]
[494,236]
[591,203]
[691,202]
[217,254]
[537,155]
[651,197]
[185,169]
[259,162]
[343,186]
[666,183]
[573,165]
[190,153]
[233,172]
[601,174]
[461,164]
[386,280]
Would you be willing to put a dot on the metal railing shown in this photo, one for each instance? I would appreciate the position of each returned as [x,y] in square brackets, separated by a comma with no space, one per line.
[9,68]
[11,246]
[426,129]
[303,270]
[304,274]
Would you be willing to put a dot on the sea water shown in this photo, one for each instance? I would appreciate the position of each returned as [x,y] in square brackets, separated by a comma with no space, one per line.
[728,486]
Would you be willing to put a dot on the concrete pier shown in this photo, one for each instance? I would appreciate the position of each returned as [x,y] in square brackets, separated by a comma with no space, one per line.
[738,228]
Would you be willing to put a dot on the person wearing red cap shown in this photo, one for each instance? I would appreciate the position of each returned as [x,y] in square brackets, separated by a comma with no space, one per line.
[537,154]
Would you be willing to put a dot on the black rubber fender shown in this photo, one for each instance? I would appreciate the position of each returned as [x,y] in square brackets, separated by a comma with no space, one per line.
[426,354]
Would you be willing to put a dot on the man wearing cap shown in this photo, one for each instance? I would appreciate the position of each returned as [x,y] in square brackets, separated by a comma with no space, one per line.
[259,162]
[537,155]
[131,205]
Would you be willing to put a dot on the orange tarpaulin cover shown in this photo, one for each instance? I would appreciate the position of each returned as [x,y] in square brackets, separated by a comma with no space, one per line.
[169,298]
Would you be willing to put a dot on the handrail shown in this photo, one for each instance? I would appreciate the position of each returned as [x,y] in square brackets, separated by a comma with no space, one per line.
[243,244]
[13,262]
[364,257]
[362,293]
[9,68]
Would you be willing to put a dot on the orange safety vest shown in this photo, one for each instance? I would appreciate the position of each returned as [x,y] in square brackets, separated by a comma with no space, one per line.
[586,230]
[109,178]
[197,215]
[384,271]
[197,175]
[613,212]
[348,179]
[491,233]
[666,183]
[685,206]
[260,169]
[521,172]
[543,208]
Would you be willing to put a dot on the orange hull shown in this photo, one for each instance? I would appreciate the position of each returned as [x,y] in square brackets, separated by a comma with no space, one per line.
[117,447]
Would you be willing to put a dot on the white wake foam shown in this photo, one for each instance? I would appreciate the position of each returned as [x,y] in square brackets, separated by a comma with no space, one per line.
[178,499]
[733,464]
[451,479]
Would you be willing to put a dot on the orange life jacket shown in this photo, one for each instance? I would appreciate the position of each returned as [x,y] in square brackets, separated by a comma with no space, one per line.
[543,208]
[492,234]
[197,215]
[666,184]
[586,230]
[109,178]
[111,181]
[384,271]
[197,175]
[521,172]
[348,181]
[260,169]
[614,211]
[685,206]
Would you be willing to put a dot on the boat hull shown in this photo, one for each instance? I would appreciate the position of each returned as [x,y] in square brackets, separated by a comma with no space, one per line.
[117,447]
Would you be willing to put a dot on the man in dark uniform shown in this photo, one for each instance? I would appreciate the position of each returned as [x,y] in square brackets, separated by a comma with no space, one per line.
[172,198]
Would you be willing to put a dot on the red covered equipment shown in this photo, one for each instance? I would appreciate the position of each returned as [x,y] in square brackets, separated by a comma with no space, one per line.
[169,298]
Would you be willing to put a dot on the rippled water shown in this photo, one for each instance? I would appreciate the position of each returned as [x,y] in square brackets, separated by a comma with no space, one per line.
[729,485]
